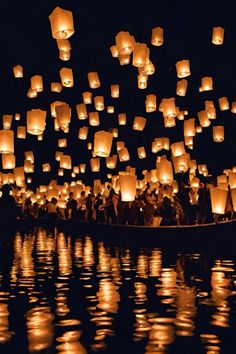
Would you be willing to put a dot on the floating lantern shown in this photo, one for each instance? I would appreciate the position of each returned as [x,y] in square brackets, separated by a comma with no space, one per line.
[218,200]
[188,140]
[198,129]
[181,87]
[232,180]
[206,83]
[164,171]
[124,59]
[141,152]
[111,161]
[17,116]
[124,43]
[65,162]
[211,112]
[183,68]
[120,145]
[147,69]
[95,164]
[94,119]
[218,133]
[169,122]
[123,154]
[139,123]
[65,56]
[83,133]
[110,109]
[63,114]
[157,36]
[218,35]
[90,146]
[19,176]
[36,121]
[28,166]
[76,169]
[21,132]
[93,80]
[181,163]
[32,93]
[63,45]
[189,127]
[203,119]
[37,83]
[61,22]
[114,51]
[29,180]
[223,103]
[18,71]
[58,155]
[127,186]
[168,107]
[8,161]
[99,103]
[142,81]
[81,111]
[62,143]
[140,55]
[46,167]
[6,121]
[195,183]
[53,106]
[66,75]
[56,87]
[102,143]
[115,91]
[87,97]
[82,167]
[29,156]
[6,141]
[177,149]
[151,103]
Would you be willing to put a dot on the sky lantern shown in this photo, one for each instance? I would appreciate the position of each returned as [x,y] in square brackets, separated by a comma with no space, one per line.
[94,119]
[28,166]
[233,196]
[211,112]
[218,133]
[127,186]
[151,103]
[8,161]
[102,143]
[169,122]
[157,36]
[82,167]
[17,116]
[83,133]
[183,68]
[142,81]
[177,149]
[189,127]
[218,35]
[181,163]
[139,123]
[203,119]
[110,109]
[122,118]
[93,80]
[169,108]
[89,146]
[63,44]
[21,132]
[147,69]
[111,161]
[63,55]
[62,143]
[114,51]
[56,87]
[46,167]
[123,154]
[124,43]
[218,200]
[95,164]
[206,83]
[120,145]
[6,141]
[140,55]
[115,90]
[164,171]
[232,180]
[53,106]
[19,176]
[63,114]
[58,155]
[65,162]
[141,152]
[61,22]
[66,75]
[223,103]
[124,59]
[181,87]
[32,93]
[29,156]
[99,103]
[6,121]
[37,83]
[18,71]
[81,111]
[87,97]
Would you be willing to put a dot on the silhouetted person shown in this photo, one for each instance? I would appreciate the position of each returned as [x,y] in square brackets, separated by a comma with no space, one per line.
[71,207]
[8,212]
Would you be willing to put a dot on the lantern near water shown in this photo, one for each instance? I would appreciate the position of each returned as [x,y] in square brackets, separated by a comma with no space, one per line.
[181,87]
[139,123]
[95,164]
[61,22]
[127,186]
[36,121]
[8,161]
[93,80]
[157,36]
[18,71]
[218,133]
[218,200]
[6,141]
[102,143]
[183,68]
[218,35]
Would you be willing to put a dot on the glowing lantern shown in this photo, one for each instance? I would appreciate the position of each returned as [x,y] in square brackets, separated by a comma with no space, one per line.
[218,200]
[8,161]
[102,143]
[32,93]
[151,103]
[202,169]
[58,155]
[93,80]
[206,83]
[122,118]
[120,145]
[147,69]
[81,111]
[83,133]
[99,103]
[169,122]
[89,146]
[124,59]
[165,142]
[139,123]
[189,127]
[111,161]
[123,154]
[110,109]
[36,121]
[188,140]
[168,107]
[21,132]
[127,186]
[177,149]
[61,22]
[17,116]
[94,119]
[53,106]
[114,51]
[65,162]
[63,55]
[6,121]
[95,164]
[140,55]
[63,45]
[181,163]
[223,103]
[183,68]
[29,156]
[19,175]
[6,141]
[56,87]
[46,167]
[63,114]
[87,97]
[29,180]
[218,133]
[211,112]
[218,35]
[142,82]
[115,91]
[232,180]
[164,171]
[18,71]
[181,88]
[124,43]
[203,119]
[157,36]
[28,166]
[82,167]
[141,152]
[195,182]
[198,129]
[76,169]
[62,143]
[66,75]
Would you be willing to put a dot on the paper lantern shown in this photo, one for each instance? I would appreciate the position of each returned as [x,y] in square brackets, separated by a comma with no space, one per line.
[198,129]
[46,167]
[120,145]
[122,118]
[81,111]
[183,68]
[82,167]
[63,114]
[63,55]
[114,51]
[83,133]
[18,71]
[19,176]
[115,91]
[60,172]
[17,116]
[140,55]
[157,36]
[168,107]
[64,45]
[65,162]
[189,127]
[28,166]
[21,132]
[29,156]
[169,122]
[124,43]
[223,103]
[218,200]
[29,180]
[94,119]
[151,103]
[139,123]
[232,180]
[195,183]
[37,83]
[6,121]
[127,187]
[181,87]
[181,163]
[203,119]
[123,154]
[165,143]
[124,59]
[218,133]
[211,112]
[111,161]
[76,169]
[58,155]
[32,93]
[142,81]
[6,141]
[110,109]
[93,80]
[66,75]
[53,106]
[56,87]
[102,143]
[147,69]
[95,164]
[164,171]
[36,121]
[206,83]
[61,22]
[8,161]
[87,97]
[141,152]
[218,35]
[177,149]
[99,103]
[62,143]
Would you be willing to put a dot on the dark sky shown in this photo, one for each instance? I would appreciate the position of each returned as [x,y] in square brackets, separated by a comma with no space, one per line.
[26,39]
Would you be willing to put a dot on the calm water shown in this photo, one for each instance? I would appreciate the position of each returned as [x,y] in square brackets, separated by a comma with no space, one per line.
[70,295]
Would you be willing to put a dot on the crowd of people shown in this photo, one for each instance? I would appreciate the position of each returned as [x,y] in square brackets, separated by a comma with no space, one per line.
[151,207]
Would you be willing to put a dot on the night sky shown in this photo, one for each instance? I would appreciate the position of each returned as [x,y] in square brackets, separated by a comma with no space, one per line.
[26,40]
